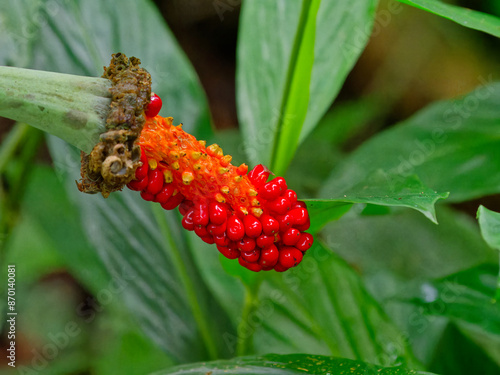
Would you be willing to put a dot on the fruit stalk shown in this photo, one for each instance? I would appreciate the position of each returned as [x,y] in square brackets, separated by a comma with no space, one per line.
[70,107]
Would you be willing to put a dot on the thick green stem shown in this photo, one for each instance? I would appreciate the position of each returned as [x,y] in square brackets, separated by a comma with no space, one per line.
[251,304]
[70,107]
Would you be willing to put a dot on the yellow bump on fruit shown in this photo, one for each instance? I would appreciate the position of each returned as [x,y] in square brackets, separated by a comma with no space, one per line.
[176,165]
[257,212]
[179,126]
[223,170]
[197,166]
[196,155]
[255,202]
[174,155]
[168,176]
[182,154]
[225,160]
[202,143]
[153,164]
[244,211]
[220,198]
[187,177]
[224,189]
[238,178]
[252,192]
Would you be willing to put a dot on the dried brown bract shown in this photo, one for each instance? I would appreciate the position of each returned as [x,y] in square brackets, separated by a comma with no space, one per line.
[113,161]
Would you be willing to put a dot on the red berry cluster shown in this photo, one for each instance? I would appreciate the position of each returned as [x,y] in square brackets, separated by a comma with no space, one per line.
[259,222]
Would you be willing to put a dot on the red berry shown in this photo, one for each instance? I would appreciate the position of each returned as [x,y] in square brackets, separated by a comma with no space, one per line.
[280,268]
[173,201]
[217,230]
[299,204]
[229,252]
[222,240]
[154,106]
[290,257]
[264,241]
[251,256]
[165,193]
[246,244]
[269,256]
[217,212]
[305,242]
[251,266]
[269,224]
[280,205]
[299,215]
[200,230]
[259,175]
[208,239]
[155,183]
[138,185]
[270,190]
[281,183]
[187,221]
[253,227]
[201,214]
[185,207]
[285,221]
[291,195]
[290,237]
[235,229]
[304,227]
[147,196]
[142,171]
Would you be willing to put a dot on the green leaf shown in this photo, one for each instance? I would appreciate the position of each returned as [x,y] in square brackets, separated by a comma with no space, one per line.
[408,245]
[489,222]
[377,188]
[322,307]
[79,37]
[466,17]
[466,298]
[288,364]
[451,145]
[289,69]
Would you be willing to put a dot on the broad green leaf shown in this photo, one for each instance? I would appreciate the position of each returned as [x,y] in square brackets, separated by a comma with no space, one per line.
[378,188]
[460,302]
[78,37]
[449,355]
[322,307]
[292,59]
[489,222]
[288,364]
[408,245]
[48,208]
[451,145]
[466,298]
[19,26]
[463,16]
